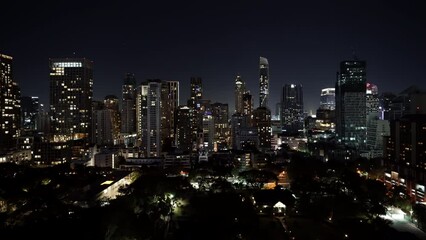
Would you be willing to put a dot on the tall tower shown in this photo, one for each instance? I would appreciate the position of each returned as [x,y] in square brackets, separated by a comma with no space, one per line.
[351,103]
[262,121]
[111,102]
[292,119]
[196,94]
[221,126]
[29,112]
[263,82]
[183,132]
[169,105]
[247,104]
[240,89]
[10,104]
[71,93]
[128,101]
[328,99]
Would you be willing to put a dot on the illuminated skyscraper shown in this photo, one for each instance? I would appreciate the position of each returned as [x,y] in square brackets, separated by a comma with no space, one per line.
[247,104]
[29,112]
[183,132]
[169,105]
[10,104]
[262,121]
[221,126]
[128,107]
[240,90]
[71,84]
[196,94]
[263,82]
[111,102]
[292,118]
[328,99]
[351,103]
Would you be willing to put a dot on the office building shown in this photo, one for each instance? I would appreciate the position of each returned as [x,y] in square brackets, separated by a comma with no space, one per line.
[262,122]
[169,105]
[71,93]
[351,121]
[128,107]
[29,112]
[183,132]
[10,105]
[328,98]
[111,102]
[292,116]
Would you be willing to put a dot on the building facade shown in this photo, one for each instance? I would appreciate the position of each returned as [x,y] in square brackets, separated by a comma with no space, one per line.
[71,93]
[263,82]
[292,117]
[128,107]
[10,105]
[351,104]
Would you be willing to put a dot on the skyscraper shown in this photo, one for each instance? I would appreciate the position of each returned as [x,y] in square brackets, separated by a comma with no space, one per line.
[328,99]
[240,90]
[149,117]
[71,84]
[10,104]
[111,102]
[128,108]
[169,105]
[221,126]
[29,112]
[183,132]
[196,94]
[102,124]
[292,118]
[247,103]
[262,121]
[351,103]
[263,82]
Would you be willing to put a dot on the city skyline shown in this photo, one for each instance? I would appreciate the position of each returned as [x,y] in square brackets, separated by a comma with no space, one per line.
[304,44]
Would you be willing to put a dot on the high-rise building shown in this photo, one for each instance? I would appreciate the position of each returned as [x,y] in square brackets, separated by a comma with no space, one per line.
[183,132]
[372,101]
[386,99]
[243,135]
[410,101]
[351,103]
[153,138]
[240,90]
[208,132]
[29,112]
[328,98]
[71,93]
[292,116]
[128,107]
[10,104]
[221,126]
[111,102]
[102,124]
[142,116]
[263,82]
[169,105]
[196,94]
[262,121]
[247,104]
[405,155]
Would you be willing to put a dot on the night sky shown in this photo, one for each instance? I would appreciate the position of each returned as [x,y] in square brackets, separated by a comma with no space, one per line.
[304,42]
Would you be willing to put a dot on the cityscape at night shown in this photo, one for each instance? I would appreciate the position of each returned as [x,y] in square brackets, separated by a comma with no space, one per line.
[213,120]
